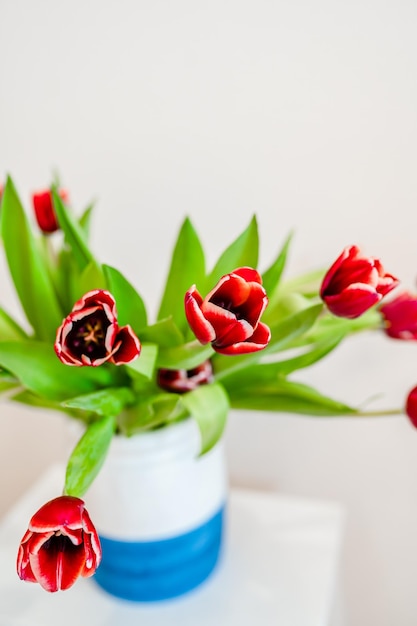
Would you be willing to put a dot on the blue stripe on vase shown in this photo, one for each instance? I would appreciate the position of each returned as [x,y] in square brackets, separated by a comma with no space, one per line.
[148,571]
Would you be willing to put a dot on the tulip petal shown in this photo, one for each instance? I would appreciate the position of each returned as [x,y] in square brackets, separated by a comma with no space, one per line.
[202,328]
[129,346]
[352,301]
[249,274]
[258,341]
[58,564]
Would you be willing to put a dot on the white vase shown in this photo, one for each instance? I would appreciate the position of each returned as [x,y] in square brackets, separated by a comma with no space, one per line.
[158,507]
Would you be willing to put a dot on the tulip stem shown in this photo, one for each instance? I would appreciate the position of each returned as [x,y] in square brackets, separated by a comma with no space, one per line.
[380,413]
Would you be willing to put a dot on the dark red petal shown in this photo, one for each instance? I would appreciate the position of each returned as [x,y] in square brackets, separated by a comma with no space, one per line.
[57,514]
[255,304]
[230,292]
[249,274]
[98,297]
[56,569]
[201,328]
[44,211]
[353,301]
[92,541]
[386,284]
[23,567]
[228,329]
[411,406]
[129,346]
[351,252]
[258,341]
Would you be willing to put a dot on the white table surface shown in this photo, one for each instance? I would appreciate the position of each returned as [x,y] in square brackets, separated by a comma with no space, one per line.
[279,567]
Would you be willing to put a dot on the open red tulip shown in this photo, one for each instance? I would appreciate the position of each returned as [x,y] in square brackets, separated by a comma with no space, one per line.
[228,317]
[90,334]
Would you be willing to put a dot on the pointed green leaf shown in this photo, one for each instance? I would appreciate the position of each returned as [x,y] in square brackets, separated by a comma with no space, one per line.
[187,269]
[85,221]
[73,233]
[209,406]
[242,252]
[144,365]
[26,265]
[265,373]
[272,276]
[288,397]
[108,401]
[130,307]
[283,334]
[9,329]
[187,356]
[91,278]
[152,412]
[88,456]
[38,368]
[164,333]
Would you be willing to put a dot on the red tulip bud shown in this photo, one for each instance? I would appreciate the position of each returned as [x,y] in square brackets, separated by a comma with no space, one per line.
[355,283]
[44,210]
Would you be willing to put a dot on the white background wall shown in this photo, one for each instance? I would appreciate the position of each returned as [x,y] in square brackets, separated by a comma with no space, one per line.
[304,112]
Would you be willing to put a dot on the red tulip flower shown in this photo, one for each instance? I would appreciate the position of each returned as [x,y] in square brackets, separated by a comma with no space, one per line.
[60,545]
[228,316]
[411,406]
[355,283]
[90,335]
[181,381]
[400,316]
[44,210]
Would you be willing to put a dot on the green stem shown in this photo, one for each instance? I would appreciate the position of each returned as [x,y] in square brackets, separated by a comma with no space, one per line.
[384,413]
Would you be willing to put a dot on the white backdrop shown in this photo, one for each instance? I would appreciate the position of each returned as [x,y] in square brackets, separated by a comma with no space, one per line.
[304,112]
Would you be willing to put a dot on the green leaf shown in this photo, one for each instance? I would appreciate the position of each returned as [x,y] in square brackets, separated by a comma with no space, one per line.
[73,233]
[144,365]
[187,268]
[209,406]
[186,357]
[265,373]
[8,382]
[307,284]
[88,456]
[288,397]
[152,412]
[38,368]
[91,278]
[130,307]
[9,329]
[283,334]
[242,252]
[272,276]
[108,401]
[164,333]
[85,221]
[26,264]
[285,331]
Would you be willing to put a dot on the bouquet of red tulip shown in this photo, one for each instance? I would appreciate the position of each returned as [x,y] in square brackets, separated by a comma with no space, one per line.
[228,337]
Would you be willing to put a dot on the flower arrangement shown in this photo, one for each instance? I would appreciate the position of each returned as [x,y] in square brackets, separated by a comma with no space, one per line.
[228,337]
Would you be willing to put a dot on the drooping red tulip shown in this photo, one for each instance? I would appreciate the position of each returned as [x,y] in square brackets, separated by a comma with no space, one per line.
[60,545]
[228,317]
[400,316]
[90,334]
[44,210]
[181,381]
[355,283]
